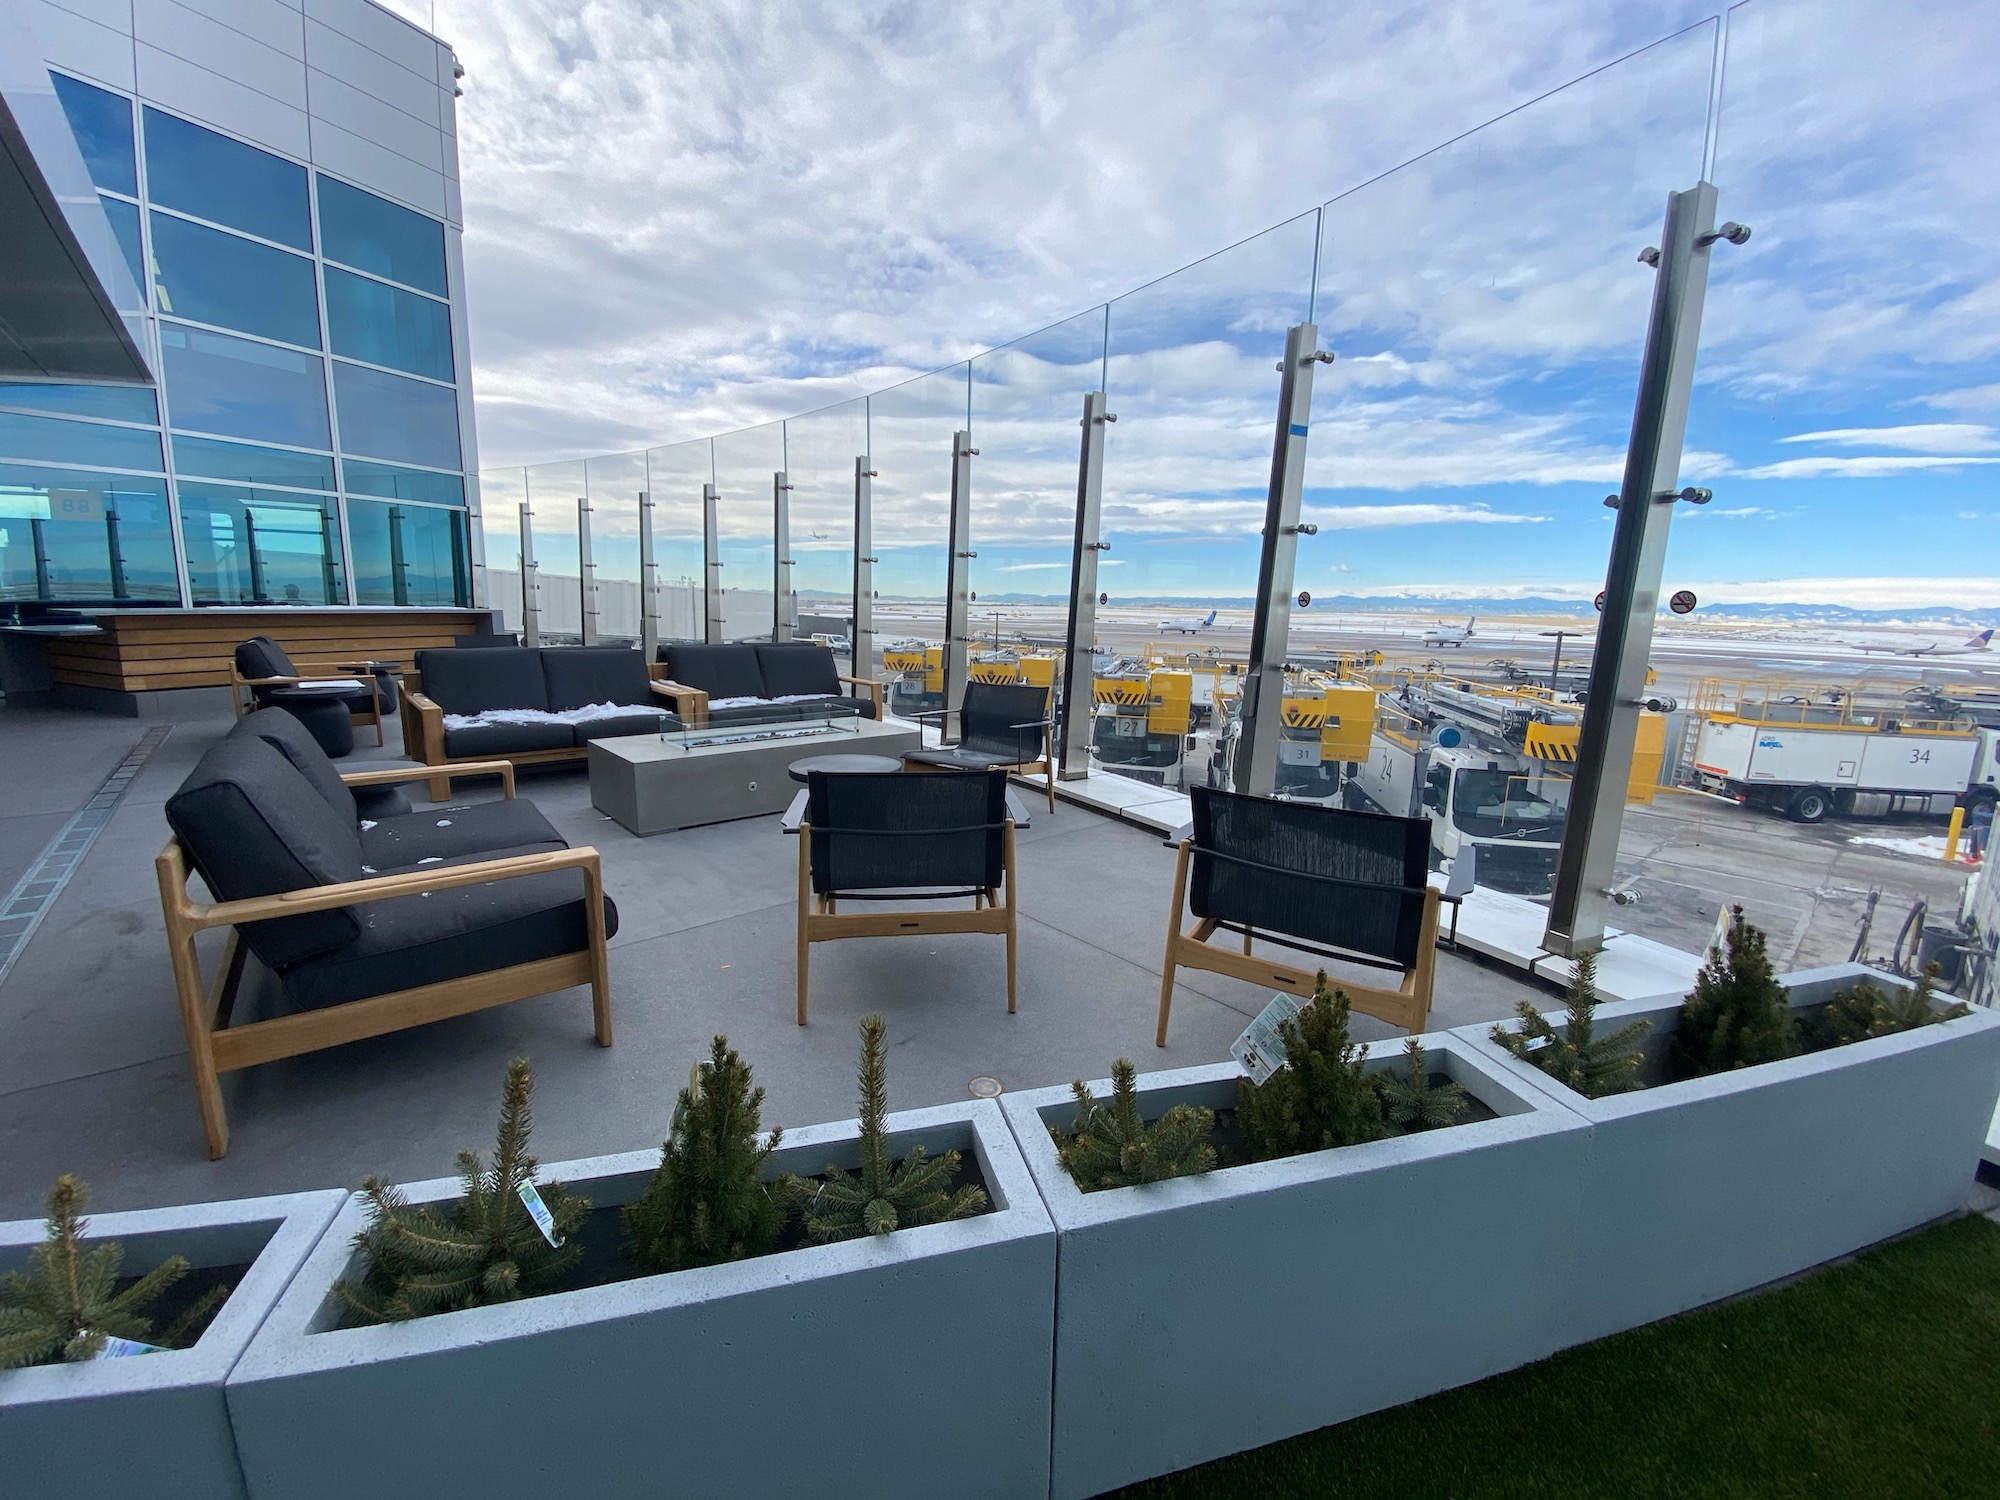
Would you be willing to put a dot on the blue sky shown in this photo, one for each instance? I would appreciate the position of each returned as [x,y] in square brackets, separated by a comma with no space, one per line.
[689,220]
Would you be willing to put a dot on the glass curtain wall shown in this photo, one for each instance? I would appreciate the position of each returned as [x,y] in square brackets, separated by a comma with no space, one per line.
[1846,407]
[745,462]
[614,483]
[1488,311]
[1027,406]
[553,491]
[674,477]
[1191,374]
[309,382]
[820,449]
[910,429]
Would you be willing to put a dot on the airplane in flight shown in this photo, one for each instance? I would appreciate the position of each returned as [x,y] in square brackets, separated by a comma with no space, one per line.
[1442,634]
[1187,624]
[1980,642]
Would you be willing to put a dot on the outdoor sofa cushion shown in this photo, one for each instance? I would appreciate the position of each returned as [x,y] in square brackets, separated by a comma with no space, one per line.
[762,683]
[553,680]
[579,676]
[292,740]
[719,671]
[254,826]
[474,682]
[793,669]
[466,830]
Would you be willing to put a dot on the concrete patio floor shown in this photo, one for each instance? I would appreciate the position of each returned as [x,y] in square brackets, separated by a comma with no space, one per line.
[93,1069]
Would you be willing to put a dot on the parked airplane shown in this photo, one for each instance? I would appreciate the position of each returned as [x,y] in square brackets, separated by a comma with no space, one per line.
[1980,642]
[1187,624]
[1442,634]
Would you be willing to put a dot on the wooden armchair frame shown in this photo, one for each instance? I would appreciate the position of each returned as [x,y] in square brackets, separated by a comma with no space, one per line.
[1407,1006]
[691,703]
[215,1047]
[242,690]
[821,920]
[423,740]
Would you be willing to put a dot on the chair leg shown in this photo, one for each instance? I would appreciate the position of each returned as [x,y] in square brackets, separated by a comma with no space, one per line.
[440,789]
[1012,910]
[200,1039]
[805,913]
[1246,942]
[1170,963]
[600,961]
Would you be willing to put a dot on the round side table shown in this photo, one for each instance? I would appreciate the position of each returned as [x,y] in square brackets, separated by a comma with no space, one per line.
[841,765]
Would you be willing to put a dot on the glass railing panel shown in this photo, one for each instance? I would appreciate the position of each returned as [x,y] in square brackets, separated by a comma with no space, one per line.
[674,478]
[910,429]
[820,449]
[745,463]
[1191,376]
[553,492]
[73,535]
[1027,403]
[502,493]
[408,555]
[613,482]
[1487,309]
[1846,414]
[254,546]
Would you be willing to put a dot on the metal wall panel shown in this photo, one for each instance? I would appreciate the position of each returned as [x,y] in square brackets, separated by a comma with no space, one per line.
[377,29]
[207,96]
[341,104]
[363,68]
[378,169]
[275,23]
[116,14]
[241,59]
[83,47]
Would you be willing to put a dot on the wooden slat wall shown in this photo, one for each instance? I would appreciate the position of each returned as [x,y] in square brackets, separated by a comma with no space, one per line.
[147,651]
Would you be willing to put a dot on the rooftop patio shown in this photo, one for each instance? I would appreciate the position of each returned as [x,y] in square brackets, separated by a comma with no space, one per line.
[94,1077]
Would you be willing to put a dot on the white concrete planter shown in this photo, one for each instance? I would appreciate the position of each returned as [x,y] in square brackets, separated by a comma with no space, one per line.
[798,1373]
[156,1424]
[1206,1315]
[1702,1189]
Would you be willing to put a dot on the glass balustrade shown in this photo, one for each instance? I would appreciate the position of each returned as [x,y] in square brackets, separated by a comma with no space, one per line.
[614,483]
[910,433]
[820,452]
[745,463]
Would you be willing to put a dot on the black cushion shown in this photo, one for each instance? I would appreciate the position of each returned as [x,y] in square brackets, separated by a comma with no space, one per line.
[471,682]
[643,721]
[719,671]
[756,713]
[1002,721]
[253,826]
[474,929]
[446,833]
[505,739]
[325,719]
[260,656]
[882,831]
[284,733]
[578,676]
[498,638]
[374,802]
[794,668]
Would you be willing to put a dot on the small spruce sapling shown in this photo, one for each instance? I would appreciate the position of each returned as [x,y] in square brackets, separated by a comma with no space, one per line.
[484,1248]
[1736,1017]
[1411,1102]
[1110,1146]
[883,1196]
[1866,1010]
[708,1202]
[1576,1056]
[67,1304]
[1321,1097]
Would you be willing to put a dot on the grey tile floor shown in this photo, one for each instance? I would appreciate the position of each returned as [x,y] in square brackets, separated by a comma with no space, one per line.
[93,1070]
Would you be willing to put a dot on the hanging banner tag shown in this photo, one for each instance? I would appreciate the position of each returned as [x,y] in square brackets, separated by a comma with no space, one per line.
[1261,1050]
[545,1221]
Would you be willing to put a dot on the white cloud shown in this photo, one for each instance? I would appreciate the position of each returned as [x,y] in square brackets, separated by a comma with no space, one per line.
[1869,466]
[1063,567]
[1376,517]
[1922,437]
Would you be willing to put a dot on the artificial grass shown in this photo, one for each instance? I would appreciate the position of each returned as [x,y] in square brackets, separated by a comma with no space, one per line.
[1878,1378]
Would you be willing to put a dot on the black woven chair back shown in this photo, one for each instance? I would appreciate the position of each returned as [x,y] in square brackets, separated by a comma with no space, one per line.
[892,831]
[1003,720]
[1347,880]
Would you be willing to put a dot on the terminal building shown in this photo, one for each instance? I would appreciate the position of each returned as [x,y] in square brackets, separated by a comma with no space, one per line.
[269,198]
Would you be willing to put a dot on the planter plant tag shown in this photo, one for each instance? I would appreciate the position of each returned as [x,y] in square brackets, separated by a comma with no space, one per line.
[1260,1049]
[545,1221]
[117,1348]
[1536,1043]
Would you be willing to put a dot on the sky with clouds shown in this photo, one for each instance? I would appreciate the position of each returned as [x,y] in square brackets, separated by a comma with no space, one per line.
[688,220]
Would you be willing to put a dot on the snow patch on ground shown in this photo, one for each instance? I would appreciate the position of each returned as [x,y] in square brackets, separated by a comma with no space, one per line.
[1930,846]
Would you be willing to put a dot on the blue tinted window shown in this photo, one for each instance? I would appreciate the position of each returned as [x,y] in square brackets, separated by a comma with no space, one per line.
[214,460]
[373,234]
[84,538]
[235,388]
[251,546]
[124,219]
[56,441]
[214,277]
[101,121]
[392,483]
[386,325]
[390,416]
[118,403]
[407,554]
[225,181]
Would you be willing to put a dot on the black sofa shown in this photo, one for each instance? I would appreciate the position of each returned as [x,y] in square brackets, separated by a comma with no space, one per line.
[436,913]
[785,680]
[550,681]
